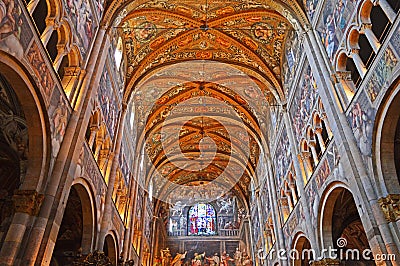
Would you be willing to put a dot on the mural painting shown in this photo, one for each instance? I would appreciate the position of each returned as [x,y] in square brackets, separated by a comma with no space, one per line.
[361,119]
[81,15]
[108,102]
[395,41]
[311,7]
[15,33]
[282,157]
[303,102]
[292,57]
[323,173]
[59,116]
[40,70]
[382,75]
[336,15]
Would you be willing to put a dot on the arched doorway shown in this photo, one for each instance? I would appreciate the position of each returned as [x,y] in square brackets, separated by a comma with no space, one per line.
[13,151]
[342,228]
[304,254]
[387,143]
[110,249]
[75,235]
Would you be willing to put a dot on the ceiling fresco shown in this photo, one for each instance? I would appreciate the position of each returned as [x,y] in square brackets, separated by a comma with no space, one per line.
[248,34]
[205,78]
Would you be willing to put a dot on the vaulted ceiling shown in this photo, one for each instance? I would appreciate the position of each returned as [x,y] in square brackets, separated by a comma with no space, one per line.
[203,74]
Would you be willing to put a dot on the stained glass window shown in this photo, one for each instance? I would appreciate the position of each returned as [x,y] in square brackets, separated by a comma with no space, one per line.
[202,220]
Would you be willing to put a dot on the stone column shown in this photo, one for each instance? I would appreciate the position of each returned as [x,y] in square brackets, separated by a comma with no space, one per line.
[272,191]
[347,89]
[43,235]
[107,213]
[320,139]
[314,154]
[366,28]
[70,80]
[48,31]
[27,204]
[362,70]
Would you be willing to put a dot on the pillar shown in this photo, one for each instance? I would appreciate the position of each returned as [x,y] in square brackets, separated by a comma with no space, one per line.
[362,70]
[366,28]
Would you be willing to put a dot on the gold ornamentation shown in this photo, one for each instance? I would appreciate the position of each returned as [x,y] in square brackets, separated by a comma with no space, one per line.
[28,201]
[390,207]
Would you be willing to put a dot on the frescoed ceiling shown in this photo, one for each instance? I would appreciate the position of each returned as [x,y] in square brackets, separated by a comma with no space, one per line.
[200,121]
[241,33]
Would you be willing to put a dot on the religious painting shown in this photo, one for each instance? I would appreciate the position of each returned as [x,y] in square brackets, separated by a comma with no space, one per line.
[202,220]
[323,173]
[291,60]
[99,7]
[108,102]
[81,16]
[313,200]
[382,74]
[282,157]
[41,71]
[59,116]
[336,15]
[361,119]
[395,41]
[255,221]
[124,158]
[304,100]
[311,7]
[15,33]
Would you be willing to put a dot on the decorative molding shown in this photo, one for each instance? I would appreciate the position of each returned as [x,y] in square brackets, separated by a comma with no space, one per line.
[27,201]
[390,207]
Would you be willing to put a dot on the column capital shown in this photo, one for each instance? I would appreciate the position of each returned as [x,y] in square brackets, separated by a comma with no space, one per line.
[27,201]
[365,26]
[390,207]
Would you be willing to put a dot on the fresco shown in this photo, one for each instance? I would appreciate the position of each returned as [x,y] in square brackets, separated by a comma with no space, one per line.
[81,16]
[323,173]
[336,15]
[292,56]
[282,157]
[395,41]
[311,7]
[14,29]
[108,102]
[361,119]
[303,102]
[40,70]
[382,74]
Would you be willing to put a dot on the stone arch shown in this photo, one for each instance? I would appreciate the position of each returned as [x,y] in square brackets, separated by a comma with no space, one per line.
[31,103]
[76,232]
[89,210]
[364,13]
[386,143]
[339,219]
[303,254]
[110,247]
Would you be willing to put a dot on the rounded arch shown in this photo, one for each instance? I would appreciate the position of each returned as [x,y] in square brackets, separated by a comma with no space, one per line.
[339,219]
[86,196]
[364,14]
[386,149]
[32,103]
[110,247]
[303,252]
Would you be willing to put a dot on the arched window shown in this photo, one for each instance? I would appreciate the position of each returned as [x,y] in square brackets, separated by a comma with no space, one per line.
[202,220]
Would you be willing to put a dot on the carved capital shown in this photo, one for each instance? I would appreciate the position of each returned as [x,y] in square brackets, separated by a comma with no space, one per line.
[325,262]
[390,207]
[27,201]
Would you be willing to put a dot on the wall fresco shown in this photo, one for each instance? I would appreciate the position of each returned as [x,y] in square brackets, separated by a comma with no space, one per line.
[282,157]
[336,15]
[81,16]
[361,119]
[108,102]
[291,60]
[382,74]
[303,101]
[41,71]
[311,7]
